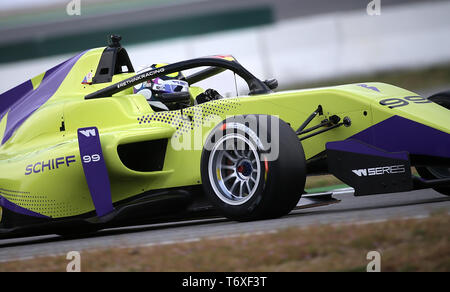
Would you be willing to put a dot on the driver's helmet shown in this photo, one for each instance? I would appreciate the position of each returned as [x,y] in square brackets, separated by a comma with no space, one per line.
[153,89]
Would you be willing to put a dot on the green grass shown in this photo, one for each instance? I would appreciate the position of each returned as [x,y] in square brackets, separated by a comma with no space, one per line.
[323,183]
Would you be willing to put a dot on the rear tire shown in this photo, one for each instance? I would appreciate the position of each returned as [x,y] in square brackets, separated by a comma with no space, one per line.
[241,180]
[443,99]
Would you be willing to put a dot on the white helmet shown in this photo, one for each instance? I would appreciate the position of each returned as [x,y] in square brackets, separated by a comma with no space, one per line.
[153,89]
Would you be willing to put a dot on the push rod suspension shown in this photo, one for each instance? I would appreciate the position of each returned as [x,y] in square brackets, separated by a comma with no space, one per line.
[346,122]
[318,111]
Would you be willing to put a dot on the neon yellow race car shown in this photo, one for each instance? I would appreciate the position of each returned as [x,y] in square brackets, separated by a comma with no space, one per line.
[83,147]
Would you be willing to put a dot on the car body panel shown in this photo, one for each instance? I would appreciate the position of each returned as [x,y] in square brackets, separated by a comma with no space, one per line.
[40,163]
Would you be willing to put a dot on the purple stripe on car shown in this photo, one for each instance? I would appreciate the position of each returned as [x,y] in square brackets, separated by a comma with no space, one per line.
[8,98]
[19,210]
[399,134]
[95,170]
[21,102]
[355,146]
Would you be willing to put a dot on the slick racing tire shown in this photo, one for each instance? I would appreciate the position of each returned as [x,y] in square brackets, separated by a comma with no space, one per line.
[253,167]
[443,99]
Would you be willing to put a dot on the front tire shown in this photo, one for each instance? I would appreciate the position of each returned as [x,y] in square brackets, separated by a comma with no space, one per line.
[443,99]
[239,175]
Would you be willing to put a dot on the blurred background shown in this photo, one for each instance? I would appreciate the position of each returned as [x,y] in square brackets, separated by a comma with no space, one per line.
[302,43]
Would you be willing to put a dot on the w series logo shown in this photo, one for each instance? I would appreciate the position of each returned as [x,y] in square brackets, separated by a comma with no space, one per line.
[88,133]
[396,169]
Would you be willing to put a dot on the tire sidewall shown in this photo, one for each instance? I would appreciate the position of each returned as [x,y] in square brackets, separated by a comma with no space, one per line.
[263,203]
[235,211]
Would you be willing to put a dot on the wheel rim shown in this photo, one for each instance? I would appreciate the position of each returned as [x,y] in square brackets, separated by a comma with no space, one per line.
[234,169]
[439,172]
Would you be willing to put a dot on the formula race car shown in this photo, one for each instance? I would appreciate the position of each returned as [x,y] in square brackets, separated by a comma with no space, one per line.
[83,148]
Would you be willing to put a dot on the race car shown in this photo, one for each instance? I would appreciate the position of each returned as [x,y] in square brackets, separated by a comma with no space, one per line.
[83,148]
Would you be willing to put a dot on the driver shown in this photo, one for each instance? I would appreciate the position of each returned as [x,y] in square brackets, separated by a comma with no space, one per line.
[152,90]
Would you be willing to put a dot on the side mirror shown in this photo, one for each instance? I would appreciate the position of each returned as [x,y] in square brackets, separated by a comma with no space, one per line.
[177,97]
[271,83]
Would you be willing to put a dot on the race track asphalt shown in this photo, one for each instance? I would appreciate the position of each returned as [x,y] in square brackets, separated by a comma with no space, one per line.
[350,209]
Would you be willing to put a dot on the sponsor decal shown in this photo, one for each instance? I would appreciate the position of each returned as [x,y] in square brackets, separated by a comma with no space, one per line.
[95,170]
[88,79]
[384,170]
[369,87]
[88,133]
[52,164]
[139,77]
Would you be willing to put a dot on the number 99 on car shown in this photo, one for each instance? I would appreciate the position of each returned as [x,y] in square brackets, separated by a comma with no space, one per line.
[91,158]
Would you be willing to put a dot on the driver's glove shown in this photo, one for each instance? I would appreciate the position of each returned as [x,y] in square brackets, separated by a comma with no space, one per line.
[208,95]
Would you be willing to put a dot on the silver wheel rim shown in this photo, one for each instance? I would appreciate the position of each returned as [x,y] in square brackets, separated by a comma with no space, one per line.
[234,169]
[439,172]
